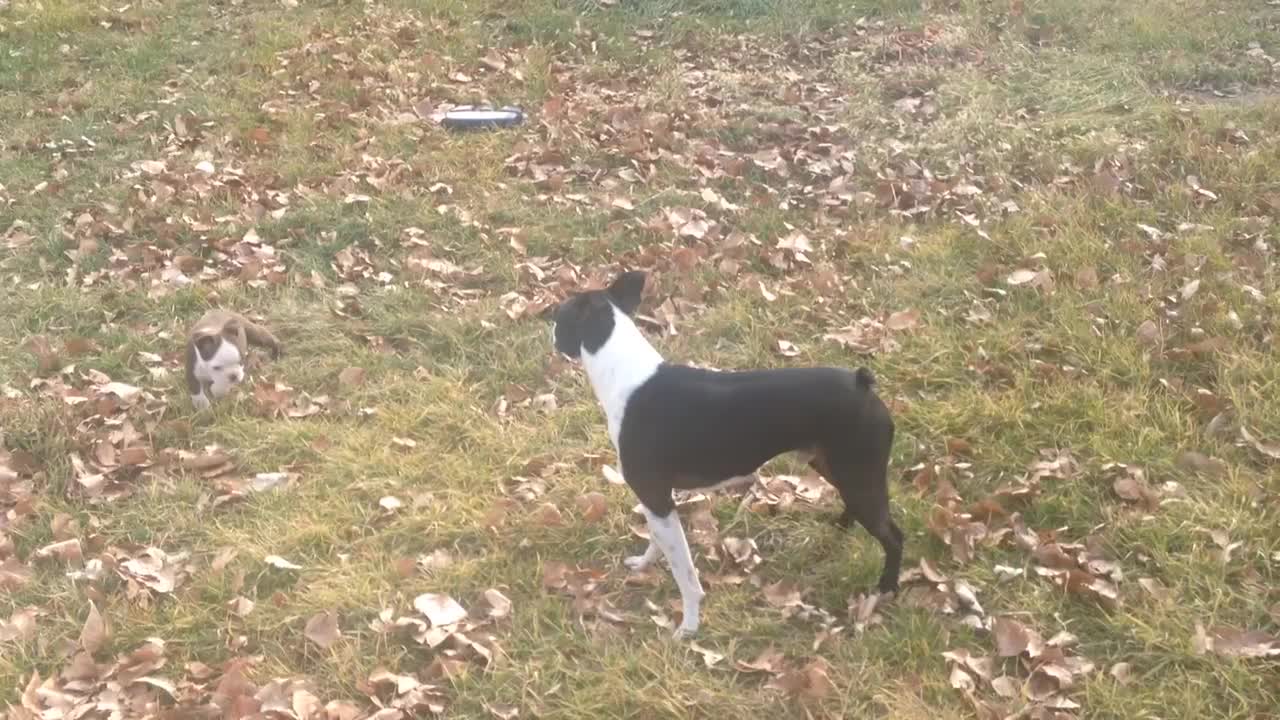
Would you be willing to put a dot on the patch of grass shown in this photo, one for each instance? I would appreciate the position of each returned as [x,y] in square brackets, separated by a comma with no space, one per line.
[1070,137]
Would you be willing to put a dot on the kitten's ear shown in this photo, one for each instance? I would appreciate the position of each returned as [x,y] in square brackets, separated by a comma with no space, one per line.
[626,290]
[231,330]
[207,346]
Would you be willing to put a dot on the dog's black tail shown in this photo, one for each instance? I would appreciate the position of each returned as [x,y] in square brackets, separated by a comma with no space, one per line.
[864,378]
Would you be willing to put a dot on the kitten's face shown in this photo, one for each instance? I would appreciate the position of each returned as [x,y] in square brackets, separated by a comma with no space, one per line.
[218,362]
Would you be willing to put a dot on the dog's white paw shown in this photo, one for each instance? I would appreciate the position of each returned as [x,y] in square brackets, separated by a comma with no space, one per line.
[636,562]
[201,402]
[684,632]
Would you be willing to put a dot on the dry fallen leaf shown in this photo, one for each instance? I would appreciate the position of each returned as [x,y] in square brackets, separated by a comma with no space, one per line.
[263,482]
[613,477]
[126,392]
[796,242]
[1006,687]
[223,558]
[404,567]
[1270,449]
[439,609]
[141,661]
[13,574]
[435,560]
[1086,278]
[155,569]
[812,682]
[1189,290]
[136,455]
[744,551]
[95,632]
[1021,276]
[549,515]
[1230,642]
[1201,464]
[554,575]
[709,657]
[352,377]
[960,679]
[499,604]
[1051,555]
[1133,488]
[241,605]
[1083,584]
[976,666]
[903,320]
[768,661]
[861,610]
[592,506]
[1155,589]
[782,594]
[280,563]
[322,629]
[1013,638]
[20,625]
[503,711]
[68,551]
[1149,333]
[1047,680]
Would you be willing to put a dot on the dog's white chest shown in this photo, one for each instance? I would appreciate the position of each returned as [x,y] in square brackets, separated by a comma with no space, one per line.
[624,363]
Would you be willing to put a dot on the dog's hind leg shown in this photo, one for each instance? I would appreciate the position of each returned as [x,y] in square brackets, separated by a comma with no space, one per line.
[818,462]
[864,488]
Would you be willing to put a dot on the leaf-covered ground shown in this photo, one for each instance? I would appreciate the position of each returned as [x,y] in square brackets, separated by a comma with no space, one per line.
[1048,226]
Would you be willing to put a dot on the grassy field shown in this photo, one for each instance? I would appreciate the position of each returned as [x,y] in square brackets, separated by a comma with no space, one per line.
[1046,226]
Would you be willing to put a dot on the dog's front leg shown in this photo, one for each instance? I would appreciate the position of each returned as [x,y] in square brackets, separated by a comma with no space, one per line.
[667,534]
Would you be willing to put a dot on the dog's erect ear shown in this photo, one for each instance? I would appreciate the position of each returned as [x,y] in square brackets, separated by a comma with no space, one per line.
[207,346]
[626,290]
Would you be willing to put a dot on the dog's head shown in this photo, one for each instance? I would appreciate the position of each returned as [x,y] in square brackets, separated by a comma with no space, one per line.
[218,357]
[586,320]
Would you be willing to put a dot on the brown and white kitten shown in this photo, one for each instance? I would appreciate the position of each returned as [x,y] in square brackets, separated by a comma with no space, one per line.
[217,349]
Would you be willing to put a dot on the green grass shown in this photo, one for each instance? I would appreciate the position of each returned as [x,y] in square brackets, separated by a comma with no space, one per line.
[1077,121]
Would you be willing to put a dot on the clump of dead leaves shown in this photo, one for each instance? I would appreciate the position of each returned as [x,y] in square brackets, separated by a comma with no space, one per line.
[458,639]
[1028,676]
[111,422]
[142,683]
[217,467]
[1078,569]
[19,473]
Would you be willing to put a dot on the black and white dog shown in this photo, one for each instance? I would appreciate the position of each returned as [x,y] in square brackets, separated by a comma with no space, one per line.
[676,426]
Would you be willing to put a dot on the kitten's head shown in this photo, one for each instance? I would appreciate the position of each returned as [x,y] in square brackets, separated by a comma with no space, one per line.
[217,358]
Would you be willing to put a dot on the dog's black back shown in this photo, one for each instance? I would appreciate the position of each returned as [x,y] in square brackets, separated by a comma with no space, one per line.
[699,427]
